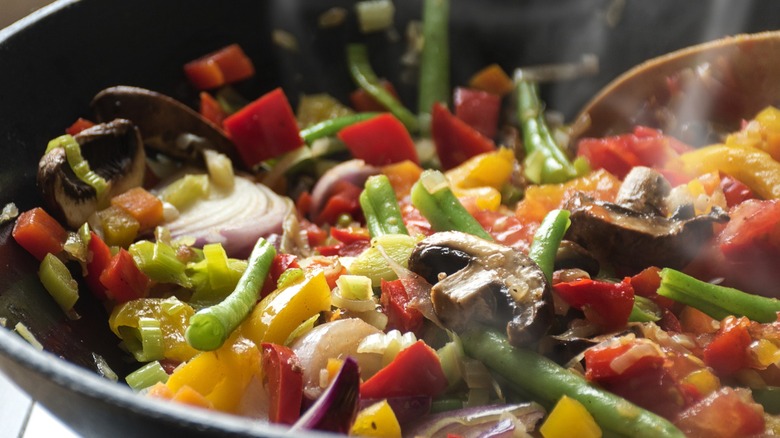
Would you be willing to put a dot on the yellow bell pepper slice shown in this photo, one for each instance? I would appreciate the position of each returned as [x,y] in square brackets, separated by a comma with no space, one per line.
[490,169]
[283,310]
[568,416]
[173,315]
[484,198]
[376,420]
[222,375]
[753,167]
[763,132]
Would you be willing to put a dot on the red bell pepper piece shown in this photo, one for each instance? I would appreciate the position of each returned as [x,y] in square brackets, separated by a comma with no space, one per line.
[379,141]
[416,370]
[646,284]
[728,351]
[479,109]
[210,109]
[395,301]
[99,259]
[283,376]
[123,280]
[264,128]
[344,200]
[606,304]
[79,125]
[455,140]
[364,102]
[39,233]
[227,65]
[350,234]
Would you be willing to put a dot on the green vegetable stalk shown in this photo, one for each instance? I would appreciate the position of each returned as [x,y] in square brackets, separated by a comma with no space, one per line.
[547,382]
[716,301]
[435,56]
[380,208]
[210,327]
[545,162]
[432,195]
[547,239]
[332,126]
[364,76]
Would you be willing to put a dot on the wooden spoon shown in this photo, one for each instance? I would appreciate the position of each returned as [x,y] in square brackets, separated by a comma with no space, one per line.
[696,93]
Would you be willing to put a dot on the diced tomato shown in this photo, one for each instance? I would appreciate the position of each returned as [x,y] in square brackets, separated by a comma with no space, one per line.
[280,263]
[79,125]
[304,203]
[608,153]
[264,128]
[98,260]
[735,191]
[379,141]
[455,140]
[364,102]
[415,222]
[123,280]
[725,413]
[315,235]
[753,232]
[351,249]
[210,109]
[479,109]
[728,351]
[599,360]
[507,230]
[350,234]
[283,376]
[39,233]
[416,370]
[227,65]
[395,301]
[606,304]
[344,200]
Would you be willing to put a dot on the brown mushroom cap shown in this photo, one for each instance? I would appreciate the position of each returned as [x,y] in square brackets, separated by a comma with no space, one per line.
[113,150]
[476,281]
[167,125]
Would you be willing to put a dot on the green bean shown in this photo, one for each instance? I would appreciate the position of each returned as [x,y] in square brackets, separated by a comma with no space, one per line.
[432,195]
[332,126]
[545,162]
[547,239]
[364,76]
[211,326]
[547,382]
[380,207]
[714,300]
[435,57]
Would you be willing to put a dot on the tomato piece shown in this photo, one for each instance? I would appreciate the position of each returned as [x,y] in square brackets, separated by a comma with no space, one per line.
[479,109]
[735,191]
[99,259]
[283,376]
[227,65]
[123,280]
[606,304]
[350,234]
[210,109]
[343,201]
[753,231]
[609,154]
[599,359]
[39,233]
[264,128]
[280,263]
[416,370]
[364,102]
[646,284]
[395,301]
[351,249]
[455,140]
[725,413]
[79,125]
[379,141]
[507,230]
[728,351]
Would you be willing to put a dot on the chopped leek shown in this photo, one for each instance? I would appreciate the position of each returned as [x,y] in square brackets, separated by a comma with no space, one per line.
[146,376]
[355,287]
[186,190]
[158,261]
[217,266]
[59,282]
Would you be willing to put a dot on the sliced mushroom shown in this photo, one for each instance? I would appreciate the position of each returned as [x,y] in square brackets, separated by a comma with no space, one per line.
[167,125]
[571,255]
[633,235]
[479,281]
[113,150]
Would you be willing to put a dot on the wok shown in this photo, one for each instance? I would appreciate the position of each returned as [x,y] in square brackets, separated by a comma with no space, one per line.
[54,61]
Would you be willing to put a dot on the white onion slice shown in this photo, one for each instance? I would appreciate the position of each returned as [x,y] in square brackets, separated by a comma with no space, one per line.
[235,218]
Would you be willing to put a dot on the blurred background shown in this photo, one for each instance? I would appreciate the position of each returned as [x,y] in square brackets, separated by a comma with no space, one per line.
[12,10]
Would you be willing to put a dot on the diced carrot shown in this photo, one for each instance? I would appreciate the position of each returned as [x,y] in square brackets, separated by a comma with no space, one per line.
[146,208]
[187,395]
[210,109]
[39,233]
[160,390]
[492,79]
[402,176]
[204,74]
[78,126]
[227,65]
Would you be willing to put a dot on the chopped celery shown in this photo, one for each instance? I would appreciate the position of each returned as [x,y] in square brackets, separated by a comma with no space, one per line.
[147,376]
[355,287]
[186,190]
[58,281]
[219,272]
[145,343]
[158,261]
[372,263]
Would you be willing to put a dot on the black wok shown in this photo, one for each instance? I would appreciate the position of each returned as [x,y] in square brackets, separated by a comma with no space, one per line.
[52,63]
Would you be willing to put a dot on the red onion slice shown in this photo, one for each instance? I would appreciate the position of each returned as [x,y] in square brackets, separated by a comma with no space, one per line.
[354,171]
